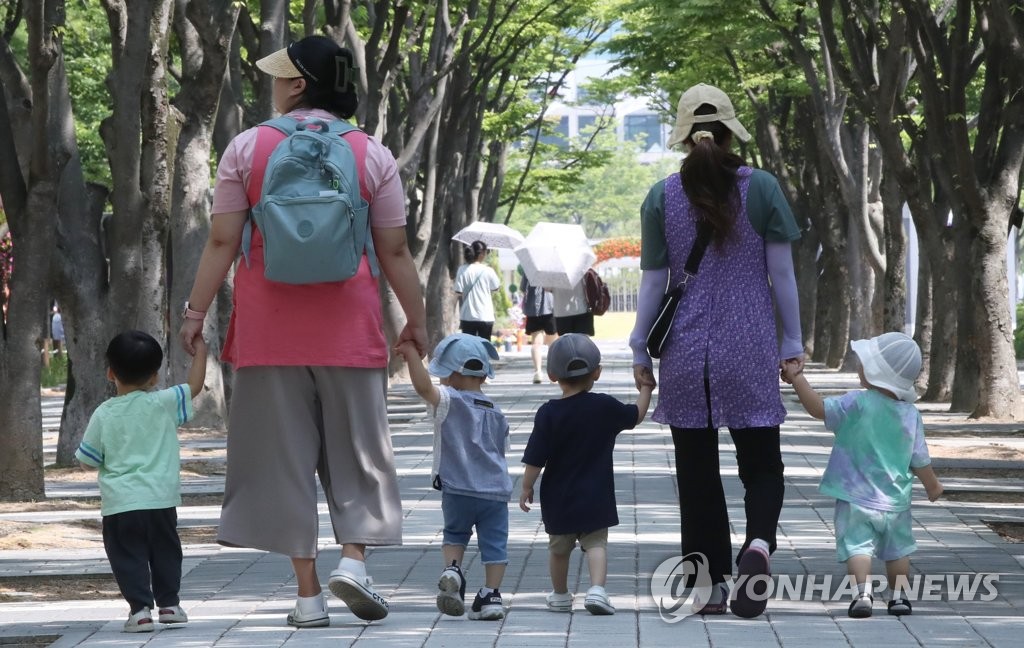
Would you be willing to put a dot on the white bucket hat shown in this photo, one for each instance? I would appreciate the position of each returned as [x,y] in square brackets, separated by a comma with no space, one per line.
[693,99]
[891,361]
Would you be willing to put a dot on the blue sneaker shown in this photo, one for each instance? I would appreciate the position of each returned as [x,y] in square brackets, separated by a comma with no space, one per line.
[451,600]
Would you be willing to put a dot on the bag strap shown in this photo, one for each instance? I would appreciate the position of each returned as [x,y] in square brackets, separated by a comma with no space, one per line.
[700,246]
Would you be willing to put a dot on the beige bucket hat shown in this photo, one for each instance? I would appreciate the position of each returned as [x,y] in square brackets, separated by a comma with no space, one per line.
[695,97]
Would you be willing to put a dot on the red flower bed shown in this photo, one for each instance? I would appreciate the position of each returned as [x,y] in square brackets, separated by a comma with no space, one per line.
[616,248]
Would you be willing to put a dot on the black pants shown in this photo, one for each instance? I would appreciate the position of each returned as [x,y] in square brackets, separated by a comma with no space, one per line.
[479,329]
[702,509]
[143,549]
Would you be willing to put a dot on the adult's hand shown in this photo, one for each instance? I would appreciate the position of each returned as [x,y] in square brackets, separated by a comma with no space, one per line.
[415,334]
[190,330]
[644,376]
[800,360]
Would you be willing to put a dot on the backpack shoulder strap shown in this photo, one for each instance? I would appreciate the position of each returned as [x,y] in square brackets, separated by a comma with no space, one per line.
[268,135]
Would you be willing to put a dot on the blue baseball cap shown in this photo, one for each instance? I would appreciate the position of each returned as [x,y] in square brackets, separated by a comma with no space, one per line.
[467,354]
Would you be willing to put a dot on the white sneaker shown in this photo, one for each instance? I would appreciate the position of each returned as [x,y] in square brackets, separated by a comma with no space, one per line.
[141,621]
[315,619]
[358,594]
[559,602]
[597,602]
[173,614]
[536,378]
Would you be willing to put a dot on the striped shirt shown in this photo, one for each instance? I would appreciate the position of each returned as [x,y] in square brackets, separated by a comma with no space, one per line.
[133,441]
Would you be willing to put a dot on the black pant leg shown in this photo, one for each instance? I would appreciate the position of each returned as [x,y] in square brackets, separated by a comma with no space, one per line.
[702,510]
[125,538]
[165,556]
[759,459]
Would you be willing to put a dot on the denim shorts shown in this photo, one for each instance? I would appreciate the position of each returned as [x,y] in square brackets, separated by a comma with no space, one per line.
[463,512]
[862,531]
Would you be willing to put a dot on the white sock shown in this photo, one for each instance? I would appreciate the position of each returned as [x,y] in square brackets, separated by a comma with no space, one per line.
[862,589]
[758,543]
[311,604]
[356,567]
[485,592]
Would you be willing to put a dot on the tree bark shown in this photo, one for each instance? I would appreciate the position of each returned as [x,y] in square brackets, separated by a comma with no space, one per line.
[31,207]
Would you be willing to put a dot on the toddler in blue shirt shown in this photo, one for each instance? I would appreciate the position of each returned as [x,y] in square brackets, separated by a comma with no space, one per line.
[470,439]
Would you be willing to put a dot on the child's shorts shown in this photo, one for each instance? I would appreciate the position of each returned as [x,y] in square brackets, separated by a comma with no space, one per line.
[562,544]
[490,517]
[862,531]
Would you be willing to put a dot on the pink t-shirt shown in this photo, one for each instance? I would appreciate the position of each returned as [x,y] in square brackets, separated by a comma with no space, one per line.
[336,324]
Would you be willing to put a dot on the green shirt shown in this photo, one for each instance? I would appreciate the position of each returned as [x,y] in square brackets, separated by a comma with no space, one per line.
[767,211]
[133,441]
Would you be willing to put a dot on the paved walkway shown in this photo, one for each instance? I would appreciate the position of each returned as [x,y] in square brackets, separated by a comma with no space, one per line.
[240,597]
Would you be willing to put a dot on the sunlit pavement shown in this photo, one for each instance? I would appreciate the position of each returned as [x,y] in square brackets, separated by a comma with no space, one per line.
[240,598]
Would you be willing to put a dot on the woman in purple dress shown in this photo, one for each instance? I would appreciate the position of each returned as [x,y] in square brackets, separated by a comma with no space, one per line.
[720,364]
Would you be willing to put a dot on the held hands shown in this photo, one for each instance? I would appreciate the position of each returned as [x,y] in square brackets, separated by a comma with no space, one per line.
[190,331]
[526,498]
[644,376]
[407,349]
[417,335]
[790,369]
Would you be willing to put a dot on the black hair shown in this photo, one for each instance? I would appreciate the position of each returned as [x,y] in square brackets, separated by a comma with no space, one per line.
[134,356]
[709,176]
[327,97]
[473,364]
[475,252]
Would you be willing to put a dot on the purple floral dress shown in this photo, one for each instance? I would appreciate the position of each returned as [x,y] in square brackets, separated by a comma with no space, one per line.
[724,330]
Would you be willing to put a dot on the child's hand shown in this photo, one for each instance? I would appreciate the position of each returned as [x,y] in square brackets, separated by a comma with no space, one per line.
[790,370]
[407,350]
[934,490]
[525,498]
[199,344]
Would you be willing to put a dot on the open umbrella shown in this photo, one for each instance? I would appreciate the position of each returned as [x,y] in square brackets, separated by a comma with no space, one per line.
[494,235]
[555,255]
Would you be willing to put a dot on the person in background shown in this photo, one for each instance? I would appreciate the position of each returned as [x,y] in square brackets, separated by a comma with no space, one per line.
[720,364]
[538,307]
[572,314]
[474,283]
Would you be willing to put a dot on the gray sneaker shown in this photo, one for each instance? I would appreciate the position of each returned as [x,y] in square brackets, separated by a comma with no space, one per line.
[451,599]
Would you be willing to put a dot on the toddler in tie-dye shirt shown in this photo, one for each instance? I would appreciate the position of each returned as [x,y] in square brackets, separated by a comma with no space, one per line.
[879,447]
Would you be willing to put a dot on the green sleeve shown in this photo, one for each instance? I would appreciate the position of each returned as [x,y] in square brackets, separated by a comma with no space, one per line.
[768,211]
[653,248]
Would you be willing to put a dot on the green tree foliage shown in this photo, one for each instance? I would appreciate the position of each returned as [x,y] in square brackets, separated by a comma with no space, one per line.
[87,56]
[604,199]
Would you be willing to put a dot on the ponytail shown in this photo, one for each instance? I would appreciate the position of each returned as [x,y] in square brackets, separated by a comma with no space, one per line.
[709,176]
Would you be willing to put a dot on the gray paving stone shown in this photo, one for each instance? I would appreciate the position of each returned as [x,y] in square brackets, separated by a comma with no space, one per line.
[239,598]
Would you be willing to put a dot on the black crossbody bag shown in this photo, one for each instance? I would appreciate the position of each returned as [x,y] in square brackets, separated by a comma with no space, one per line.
[670,300]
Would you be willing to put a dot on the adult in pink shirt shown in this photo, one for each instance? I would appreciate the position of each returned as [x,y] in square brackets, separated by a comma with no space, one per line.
[310,360]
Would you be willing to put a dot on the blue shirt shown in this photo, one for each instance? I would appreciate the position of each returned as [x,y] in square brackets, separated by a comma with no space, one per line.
[470,437]
[878,440]
[133,441]
[572,440]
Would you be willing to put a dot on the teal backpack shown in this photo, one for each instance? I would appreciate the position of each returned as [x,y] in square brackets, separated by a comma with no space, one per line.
[314,222]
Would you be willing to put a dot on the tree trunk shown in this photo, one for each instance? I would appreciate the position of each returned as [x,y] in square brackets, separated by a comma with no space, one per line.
[895,282]
[1000,394]
[924,319]
[204,32]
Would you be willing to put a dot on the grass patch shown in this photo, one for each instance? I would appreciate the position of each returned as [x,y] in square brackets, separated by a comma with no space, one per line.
[56,373]
[58,587]
[1009,531]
